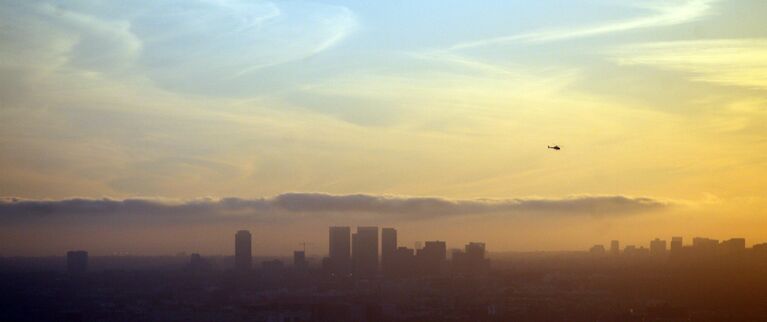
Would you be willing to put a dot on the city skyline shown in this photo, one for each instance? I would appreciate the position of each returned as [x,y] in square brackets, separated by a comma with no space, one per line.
[163,119]
[383,161]
[366,254]
[383,241]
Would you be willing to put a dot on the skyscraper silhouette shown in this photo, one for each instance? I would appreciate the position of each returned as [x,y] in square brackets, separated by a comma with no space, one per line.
[615,248]
[339,259]
[299,260]
[733,245]
[243,256]
[365,252]
[657,247]
[432,257]
[388,249]
[676,245]
[472,260]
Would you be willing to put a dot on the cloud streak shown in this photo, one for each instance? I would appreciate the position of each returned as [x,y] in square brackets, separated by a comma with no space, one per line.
[663,14]
[15,210]
[737,62]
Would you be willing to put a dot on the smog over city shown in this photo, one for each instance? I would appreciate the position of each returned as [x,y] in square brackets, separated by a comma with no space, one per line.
[338,160]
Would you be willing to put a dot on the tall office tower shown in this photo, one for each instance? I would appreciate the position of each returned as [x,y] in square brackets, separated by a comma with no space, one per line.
[676,245]
[704,246]
[472,260]
[657,247]
[475,250]
[404,262]
[299,260]
[615,248]
[339,258]
[365,252]
[340,242]
[432,257]
[243,256]
[733,245]
[388,248]
[77,261]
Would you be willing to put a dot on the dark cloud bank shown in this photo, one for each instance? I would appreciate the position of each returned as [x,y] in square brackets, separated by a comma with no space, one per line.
[289,205]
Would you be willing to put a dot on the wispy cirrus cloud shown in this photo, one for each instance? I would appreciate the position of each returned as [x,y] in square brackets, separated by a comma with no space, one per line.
[201,47]
[16,210]
[738,62]
[663,13]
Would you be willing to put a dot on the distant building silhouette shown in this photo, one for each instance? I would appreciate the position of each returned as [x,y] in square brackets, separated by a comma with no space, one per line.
[760,248]
[77,261]
[598,250]
[403,263]
[243,255]
[657,247]
[676,245]
[274,265]
[471,260]
[388,249]
[633,251]
[732,246]
[299,260]
[702,246]
[365,252]
[197,263]
[431,258]
[615,248]
[338,263]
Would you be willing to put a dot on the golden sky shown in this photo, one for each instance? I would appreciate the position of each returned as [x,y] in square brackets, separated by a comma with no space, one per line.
[660,105]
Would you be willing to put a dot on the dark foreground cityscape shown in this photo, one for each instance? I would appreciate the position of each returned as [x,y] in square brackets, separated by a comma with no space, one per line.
[706,280]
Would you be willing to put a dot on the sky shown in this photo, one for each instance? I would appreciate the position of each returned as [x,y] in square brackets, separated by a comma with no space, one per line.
[154,127]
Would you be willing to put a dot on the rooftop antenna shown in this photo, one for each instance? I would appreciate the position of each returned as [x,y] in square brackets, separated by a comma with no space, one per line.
[304,245]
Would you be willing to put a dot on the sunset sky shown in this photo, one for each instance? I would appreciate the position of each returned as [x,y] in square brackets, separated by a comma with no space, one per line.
[154,127]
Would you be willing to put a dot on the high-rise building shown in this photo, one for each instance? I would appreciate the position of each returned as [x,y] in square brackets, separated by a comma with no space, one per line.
[299,260]
[471,260]
[733,245]
[615,248]
[77,261]
[436,249]
[475,250]
[340,242]
[243,255]
[404,262]
[598,250]
[657,247]
[676,245]
[702,246]
[339,262]
[432,257]
[365,252]
[388,248]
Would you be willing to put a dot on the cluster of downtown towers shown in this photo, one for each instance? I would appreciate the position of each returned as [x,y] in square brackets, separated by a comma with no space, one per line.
[357,255]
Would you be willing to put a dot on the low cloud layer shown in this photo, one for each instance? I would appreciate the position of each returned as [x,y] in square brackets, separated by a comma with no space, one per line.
[16,210]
